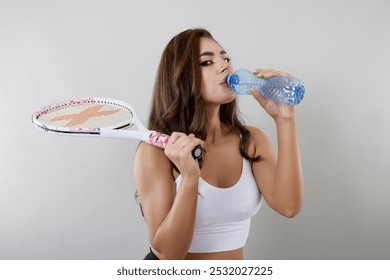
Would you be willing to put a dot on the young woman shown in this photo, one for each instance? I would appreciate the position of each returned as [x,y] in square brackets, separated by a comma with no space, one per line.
[202,209]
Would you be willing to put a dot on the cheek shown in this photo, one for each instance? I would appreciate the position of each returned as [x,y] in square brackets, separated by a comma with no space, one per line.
[206,89]
[209,92]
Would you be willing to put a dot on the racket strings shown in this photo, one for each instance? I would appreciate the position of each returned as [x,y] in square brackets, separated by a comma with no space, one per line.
[84,115]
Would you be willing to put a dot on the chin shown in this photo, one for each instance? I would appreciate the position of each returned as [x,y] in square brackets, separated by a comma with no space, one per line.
[231,96]
[220,97]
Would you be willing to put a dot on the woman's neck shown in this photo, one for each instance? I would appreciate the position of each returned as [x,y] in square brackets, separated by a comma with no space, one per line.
[215,128]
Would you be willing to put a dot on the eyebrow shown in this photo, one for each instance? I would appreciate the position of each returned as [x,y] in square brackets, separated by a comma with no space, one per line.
[211,53]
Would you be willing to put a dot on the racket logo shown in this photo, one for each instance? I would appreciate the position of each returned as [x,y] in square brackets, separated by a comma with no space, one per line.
[85,115]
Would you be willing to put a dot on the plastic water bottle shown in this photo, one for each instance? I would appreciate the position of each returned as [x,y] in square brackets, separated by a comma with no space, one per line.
[286,90]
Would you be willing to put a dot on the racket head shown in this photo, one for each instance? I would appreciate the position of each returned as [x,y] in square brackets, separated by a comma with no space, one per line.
[86,116]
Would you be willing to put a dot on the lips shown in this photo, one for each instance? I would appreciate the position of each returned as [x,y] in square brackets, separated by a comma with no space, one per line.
[223,82]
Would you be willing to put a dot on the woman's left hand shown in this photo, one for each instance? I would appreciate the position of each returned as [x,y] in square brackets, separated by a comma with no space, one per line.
[274,109]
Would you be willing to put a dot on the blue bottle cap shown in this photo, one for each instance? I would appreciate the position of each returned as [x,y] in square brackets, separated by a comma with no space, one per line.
[232,79]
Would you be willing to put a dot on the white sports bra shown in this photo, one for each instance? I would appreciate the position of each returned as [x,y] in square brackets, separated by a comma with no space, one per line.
[223,214]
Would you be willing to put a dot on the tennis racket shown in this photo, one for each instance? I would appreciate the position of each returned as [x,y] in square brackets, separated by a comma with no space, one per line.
[99,117]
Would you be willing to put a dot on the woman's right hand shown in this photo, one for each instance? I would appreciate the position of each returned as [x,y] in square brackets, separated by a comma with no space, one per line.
[179,150]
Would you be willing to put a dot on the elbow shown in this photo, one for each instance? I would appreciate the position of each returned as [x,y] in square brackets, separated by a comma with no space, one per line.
[291,208]
[168,253]
[291,212]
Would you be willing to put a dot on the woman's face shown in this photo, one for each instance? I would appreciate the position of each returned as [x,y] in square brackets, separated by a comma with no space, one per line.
[215,66]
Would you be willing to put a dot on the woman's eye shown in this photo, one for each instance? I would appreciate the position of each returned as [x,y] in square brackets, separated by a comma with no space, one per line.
[227,59]
[206,63]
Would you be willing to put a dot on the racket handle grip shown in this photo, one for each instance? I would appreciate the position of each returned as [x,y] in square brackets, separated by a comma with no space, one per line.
[197,152]
[161,140]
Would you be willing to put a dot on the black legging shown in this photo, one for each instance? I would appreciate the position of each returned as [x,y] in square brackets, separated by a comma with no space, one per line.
[151,256]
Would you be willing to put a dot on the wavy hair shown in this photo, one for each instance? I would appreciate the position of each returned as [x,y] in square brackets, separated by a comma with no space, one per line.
[177,104]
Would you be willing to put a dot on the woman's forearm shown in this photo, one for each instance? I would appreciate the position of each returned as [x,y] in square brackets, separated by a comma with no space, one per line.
[174,236]
[288,183]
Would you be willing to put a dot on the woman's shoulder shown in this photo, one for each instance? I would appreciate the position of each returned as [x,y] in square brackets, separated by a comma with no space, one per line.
[257,142]
[256,133]
[151,160]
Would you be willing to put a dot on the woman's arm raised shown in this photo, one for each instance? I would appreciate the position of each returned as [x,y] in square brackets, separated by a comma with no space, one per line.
[170,216]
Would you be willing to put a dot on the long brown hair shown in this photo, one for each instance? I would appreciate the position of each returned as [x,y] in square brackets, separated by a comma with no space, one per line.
[177,104]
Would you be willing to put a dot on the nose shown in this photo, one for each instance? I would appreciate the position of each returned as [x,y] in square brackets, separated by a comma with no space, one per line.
[225,66]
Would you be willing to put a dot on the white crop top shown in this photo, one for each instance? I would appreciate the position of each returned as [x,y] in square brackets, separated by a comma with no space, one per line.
[223,214]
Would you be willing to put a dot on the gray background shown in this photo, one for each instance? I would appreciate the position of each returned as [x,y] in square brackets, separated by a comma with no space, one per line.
[72,198]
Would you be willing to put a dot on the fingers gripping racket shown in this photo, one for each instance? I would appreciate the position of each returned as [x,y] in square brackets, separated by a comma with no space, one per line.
[100,117]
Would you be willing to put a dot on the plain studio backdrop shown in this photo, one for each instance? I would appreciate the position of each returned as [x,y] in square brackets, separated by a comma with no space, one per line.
[73,198]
